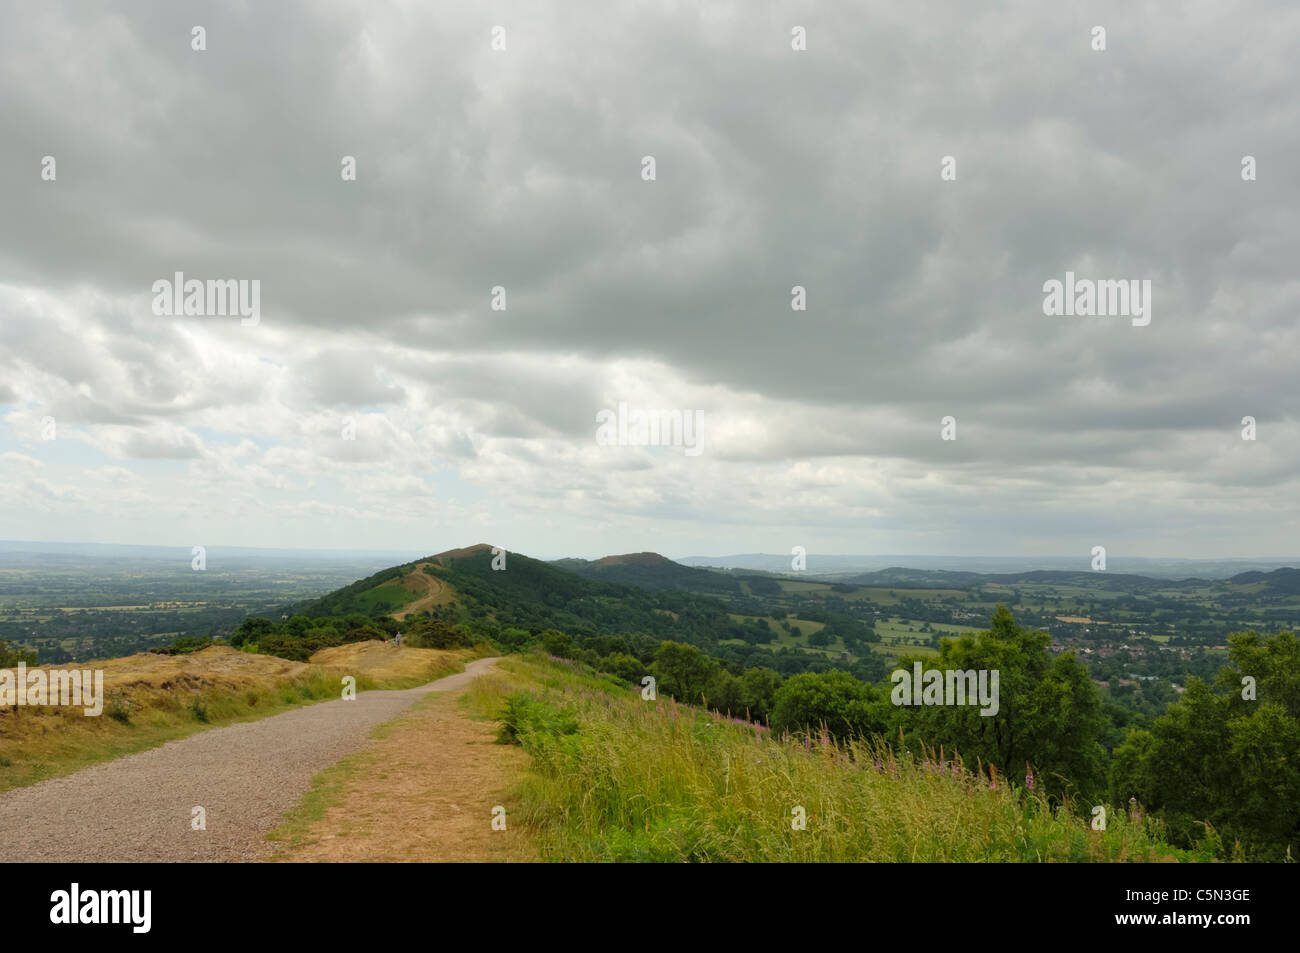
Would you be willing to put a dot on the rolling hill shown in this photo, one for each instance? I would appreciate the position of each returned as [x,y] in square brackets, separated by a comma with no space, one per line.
[653,572]
[534,594]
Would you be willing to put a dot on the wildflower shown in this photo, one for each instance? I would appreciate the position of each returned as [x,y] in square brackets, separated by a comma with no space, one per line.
[1029,778]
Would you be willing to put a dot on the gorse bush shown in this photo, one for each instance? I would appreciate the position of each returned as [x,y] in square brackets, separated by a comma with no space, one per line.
[433,634]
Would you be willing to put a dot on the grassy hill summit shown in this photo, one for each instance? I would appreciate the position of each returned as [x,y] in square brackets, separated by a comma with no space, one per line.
[465,552]
[653,572]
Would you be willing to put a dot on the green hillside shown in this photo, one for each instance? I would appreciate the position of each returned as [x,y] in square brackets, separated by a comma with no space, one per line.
[653,572]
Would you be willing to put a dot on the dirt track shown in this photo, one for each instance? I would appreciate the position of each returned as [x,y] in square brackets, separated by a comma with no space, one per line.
[433,593]
[139,808]
[423,793]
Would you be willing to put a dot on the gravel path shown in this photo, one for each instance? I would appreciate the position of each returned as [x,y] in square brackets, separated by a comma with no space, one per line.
[139,808]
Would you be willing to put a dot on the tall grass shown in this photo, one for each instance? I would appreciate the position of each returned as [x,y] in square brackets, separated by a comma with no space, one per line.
[617,778]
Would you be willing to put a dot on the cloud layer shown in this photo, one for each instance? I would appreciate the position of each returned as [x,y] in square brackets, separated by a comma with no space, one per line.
[522,169]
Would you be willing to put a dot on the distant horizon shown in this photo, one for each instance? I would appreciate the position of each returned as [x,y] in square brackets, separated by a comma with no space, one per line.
[11,544]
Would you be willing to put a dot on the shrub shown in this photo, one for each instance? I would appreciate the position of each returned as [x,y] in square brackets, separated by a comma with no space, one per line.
[847,707]
[435,634]
[558,643]
[525,714]
[118,709]
[627,667]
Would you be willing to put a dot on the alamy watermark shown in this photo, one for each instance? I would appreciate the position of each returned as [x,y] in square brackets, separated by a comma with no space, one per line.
[1107,298]
[649,428]
[129,907]
[68,688]
[946,687]
[216,297]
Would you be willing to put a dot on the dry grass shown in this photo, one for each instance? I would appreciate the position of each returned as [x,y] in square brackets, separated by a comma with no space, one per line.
[390,666]
[151,699]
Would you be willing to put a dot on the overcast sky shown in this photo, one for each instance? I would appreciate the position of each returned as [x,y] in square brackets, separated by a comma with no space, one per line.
[774,167]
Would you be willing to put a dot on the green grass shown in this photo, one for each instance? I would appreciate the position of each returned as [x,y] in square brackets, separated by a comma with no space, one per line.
[806,626]
[390,596]
[655,781]
[325,791]
[798,585]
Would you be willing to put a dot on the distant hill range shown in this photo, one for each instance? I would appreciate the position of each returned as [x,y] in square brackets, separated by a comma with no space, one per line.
[1280,581]
[837,567]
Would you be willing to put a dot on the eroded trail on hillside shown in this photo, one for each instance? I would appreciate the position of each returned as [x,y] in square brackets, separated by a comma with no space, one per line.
[245,776]
[433,593]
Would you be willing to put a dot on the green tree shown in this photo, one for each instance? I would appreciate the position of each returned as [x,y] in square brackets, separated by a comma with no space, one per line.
[1225,757]
[684,672]
[836,699]
[627,667]
[559,644]
[11,655]
[758,687]
[251,630]
[1049,715]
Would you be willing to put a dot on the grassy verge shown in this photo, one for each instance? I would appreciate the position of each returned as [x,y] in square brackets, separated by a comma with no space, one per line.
[615,778]
[150,700]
